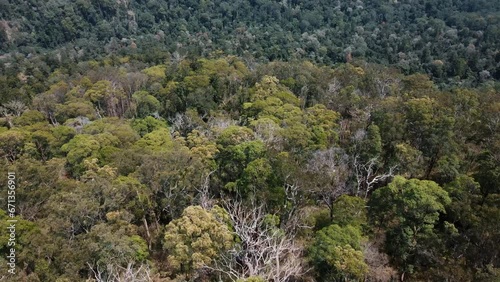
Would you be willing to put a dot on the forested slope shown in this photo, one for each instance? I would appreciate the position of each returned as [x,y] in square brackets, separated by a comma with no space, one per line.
[454,40]
[250,141]
[208,169]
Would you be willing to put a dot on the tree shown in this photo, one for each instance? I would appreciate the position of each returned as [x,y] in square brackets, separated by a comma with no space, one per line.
[40,181]
[148,124]
[115,243]
[327,174]
[350,210]
[409,211]
[25,231]
[429,129]
[174,175]
[126,193]
[476,219]
[29,117]
[79,148]
[195,240]
[118,128]
[336,253]
[145,104]
[324,125]
[368,175]
[158,140]
[11,144]
[74,108]
[108,97]
[262,250]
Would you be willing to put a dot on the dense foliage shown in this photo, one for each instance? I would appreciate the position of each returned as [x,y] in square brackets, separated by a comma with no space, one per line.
[207,169]
[456,41]
[251,141]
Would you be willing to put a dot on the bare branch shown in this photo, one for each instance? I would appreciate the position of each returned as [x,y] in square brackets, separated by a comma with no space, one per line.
[367,175]
[265,251]
[16,107]
[328,170]
[204,198]
[117,273]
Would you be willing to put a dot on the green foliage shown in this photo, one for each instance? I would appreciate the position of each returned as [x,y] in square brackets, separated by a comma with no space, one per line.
[272,104]
[430,128]
[373,146]
[195,240]
[234,135]
[79,148]
[118,128]
[254,176]
[349,210]
[336,253]
[156,140]
[105,241]
[243,168]
[29,118]
[155,31]
[147,125]
[73,109]
[107,98]
[155,72]
[100,172]
[41,142]
[324,124]
[25,231]
[11,144]
[145,104]
[475,218]
[127,193]
[409,210]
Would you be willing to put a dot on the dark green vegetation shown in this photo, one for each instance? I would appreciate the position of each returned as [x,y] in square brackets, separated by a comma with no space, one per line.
[456,41]
[251,141]
[206,169]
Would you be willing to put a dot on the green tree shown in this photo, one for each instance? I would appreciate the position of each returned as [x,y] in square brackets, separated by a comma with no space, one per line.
[118,128]
[349,210]
[476,219]
[336,255]
[430,130]
[148,124]
[145,104]
[25,231]
[195,240]
[12,144]
[409,211]
[158,140]
[108,97]
[79,148]
[115,244]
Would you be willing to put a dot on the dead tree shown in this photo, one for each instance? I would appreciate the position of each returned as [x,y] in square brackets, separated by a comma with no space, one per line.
[264,250]
[117,273]
[328,170]
[368,175]
[205,200]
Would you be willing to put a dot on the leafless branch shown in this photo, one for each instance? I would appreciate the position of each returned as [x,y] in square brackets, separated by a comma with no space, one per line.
[367,175]
[329,170]
[117,273]
[204,198]
[265,250]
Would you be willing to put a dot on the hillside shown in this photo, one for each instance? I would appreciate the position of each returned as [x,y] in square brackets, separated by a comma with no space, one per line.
[453,40]
[354,172]
[249,141]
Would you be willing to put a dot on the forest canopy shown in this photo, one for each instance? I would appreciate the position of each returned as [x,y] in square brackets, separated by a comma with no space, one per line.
[201,169]
[455,42]
[250,140]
